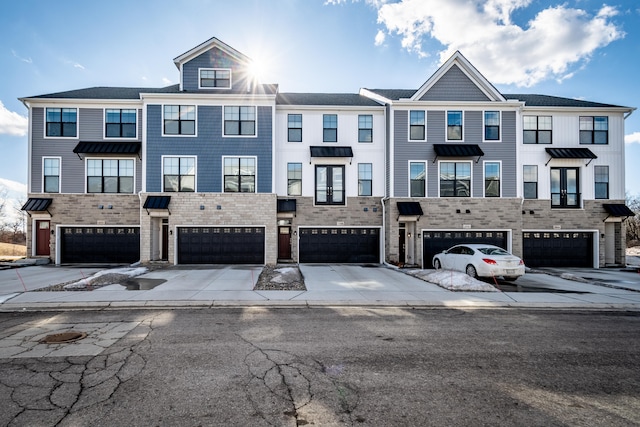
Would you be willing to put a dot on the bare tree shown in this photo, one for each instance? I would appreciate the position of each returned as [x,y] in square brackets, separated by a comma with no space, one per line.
[633,223]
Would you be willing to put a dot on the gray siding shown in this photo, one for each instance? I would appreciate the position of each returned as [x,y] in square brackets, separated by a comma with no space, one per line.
[209,146]
[405,150]
[214,58]
[454,86]
[90,121]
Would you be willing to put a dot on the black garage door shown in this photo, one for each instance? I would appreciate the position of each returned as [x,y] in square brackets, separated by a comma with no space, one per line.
[117,245]
[339,245]
[221,245]
[558,249]
[434,242]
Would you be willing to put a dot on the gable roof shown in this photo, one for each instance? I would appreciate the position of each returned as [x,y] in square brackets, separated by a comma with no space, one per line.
[208,45]
[104,92]
[534,100]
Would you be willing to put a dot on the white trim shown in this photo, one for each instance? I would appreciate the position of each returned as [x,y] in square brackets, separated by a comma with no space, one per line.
[44,128]
[215,87]
[484,133]
[116,138]
[98,157]
[255,134]
[409,126]
[256,174]
[42,189]
[409,178]
[446,126]
[484,178]
[471,195]
[195,172]
[172,135]
[344,184]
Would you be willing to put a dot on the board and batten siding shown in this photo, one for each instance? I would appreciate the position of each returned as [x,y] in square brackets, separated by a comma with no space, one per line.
[405,151]
[72,167]
[209,146]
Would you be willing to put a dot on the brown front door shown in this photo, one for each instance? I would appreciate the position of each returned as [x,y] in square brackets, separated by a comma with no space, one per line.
[43,238]
[284,242]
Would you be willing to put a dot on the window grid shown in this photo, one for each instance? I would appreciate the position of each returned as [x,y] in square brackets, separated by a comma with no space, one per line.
[454,125]
[294,179]
[417,126]
[62,122]
[365,179]
[239,121]
[365,128]
[601,182]
[179,120]
[120,123]
[329,128]
[109,176]
[594,130]
[294,127]
[51,175]
[417,179]
[179,174]
[215,79]
[492,125]
[239,175]
[455,179]
[530,178]
[492,179]
[537,129]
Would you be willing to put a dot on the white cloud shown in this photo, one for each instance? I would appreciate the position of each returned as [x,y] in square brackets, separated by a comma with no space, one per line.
[12,123]
[631,138]
[166,81]
[554,41]
[27,60]
[380,38]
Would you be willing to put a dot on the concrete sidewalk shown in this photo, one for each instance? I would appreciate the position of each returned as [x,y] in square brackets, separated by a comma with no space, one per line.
[327,285]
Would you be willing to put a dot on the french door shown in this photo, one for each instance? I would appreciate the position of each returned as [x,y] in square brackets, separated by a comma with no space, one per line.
[565,188]
[330,185]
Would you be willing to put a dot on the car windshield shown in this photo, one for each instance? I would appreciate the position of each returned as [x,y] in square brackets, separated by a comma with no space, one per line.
[493,251]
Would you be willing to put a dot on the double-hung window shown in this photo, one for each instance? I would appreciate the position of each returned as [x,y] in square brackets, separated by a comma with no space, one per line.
[454,125]
[294,128]
[530,181]
[594,130]
[492,179]
[51,175]
[62,122]
[239,121]
[365,177]
[537,129]
[601,182]
[365,128]
[455,179]
[329,128]
[215,78]
[239,175]
[109,176]
[179,174]
[294,179]
[179,119]
[120,123]
[492,125]
[417,125]
[417,179]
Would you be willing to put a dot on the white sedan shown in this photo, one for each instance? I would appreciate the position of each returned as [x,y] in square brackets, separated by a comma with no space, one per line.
[479,260]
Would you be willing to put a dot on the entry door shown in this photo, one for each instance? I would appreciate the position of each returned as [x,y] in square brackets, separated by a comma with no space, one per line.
[565,188]
[284,242]
[330,185]
[401,246]
[43,238]
[165,240]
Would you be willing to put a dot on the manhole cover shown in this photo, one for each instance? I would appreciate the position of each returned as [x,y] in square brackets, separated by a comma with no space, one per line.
[63,337]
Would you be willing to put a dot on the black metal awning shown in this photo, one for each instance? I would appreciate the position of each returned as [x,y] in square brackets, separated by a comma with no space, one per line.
[156,202]
[322,151]
[35,204]
[570,153]
[618,210]
[458,150]
[286,205]
[409,208]
[107,147]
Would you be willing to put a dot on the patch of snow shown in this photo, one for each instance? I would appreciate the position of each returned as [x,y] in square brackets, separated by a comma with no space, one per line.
[285,275]
[113,275]
[453,280]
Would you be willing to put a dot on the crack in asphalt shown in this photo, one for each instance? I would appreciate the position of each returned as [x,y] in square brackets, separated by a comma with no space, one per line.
[47,390]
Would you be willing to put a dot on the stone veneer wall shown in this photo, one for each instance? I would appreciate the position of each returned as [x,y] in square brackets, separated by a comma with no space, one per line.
[82,210]
[352,214]
[256,209]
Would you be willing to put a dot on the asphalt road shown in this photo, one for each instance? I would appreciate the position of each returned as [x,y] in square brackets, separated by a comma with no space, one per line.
[329,366]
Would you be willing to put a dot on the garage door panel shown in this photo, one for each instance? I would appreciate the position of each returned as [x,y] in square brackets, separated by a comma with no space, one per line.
[221,245]
[339,245]
[100,245]
[434,242]
[558,249]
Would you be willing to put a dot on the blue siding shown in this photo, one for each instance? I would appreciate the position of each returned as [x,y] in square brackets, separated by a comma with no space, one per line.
[209,147]
[214,58]
[454,86]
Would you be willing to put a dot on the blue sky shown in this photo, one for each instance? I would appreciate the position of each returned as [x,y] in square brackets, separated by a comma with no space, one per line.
[572,48]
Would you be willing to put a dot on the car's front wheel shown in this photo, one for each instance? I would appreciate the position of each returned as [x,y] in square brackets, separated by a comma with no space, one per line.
[436,264]
[471,271]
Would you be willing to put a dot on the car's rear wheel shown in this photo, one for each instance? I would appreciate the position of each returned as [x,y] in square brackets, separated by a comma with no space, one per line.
[436,264]
[471,271]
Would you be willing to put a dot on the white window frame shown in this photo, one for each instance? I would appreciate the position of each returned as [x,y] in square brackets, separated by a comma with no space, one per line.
[44,128]
[255,135]
[409,126]
[116,138]
[255,158]
[446,126]
[195,172]
[484,178]
[59,174]
[484,126]
[424,162]
[470,178]
[215,87]
[176,135]
[86,174]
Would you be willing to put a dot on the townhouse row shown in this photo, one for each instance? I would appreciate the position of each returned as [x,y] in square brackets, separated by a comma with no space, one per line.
[222,169]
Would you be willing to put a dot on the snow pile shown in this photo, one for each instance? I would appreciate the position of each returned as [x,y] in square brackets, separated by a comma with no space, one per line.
[453,280]
[286,275]
[106,277]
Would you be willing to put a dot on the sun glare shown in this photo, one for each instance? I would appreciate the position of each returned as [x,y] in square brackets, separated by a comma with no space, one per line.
[259,70]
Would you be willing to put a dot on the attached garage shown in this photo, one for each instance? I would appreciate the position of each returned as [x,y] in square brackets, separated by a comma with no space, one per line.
[339,245]
[434,242]
[558,249]
[113,245]
[221,245]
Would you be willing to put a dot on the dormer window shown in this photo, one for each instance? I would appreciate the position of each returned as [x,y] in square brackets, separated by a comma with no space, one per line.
[215,78]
